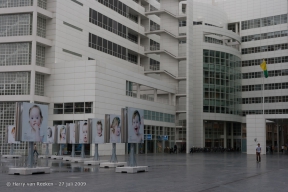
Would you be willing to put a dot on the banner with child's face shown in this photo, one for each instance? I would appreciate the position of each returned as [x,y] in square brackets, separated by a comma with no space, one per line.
[83,132]
[51,134]
[11,134]
[98,132]
[34,122]
[61,134]
[135,125]
[115,129]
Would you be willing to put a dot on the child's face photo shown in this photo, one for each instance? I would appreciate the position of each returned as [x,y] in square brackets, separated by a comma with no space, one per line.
[136,124]
[117,130]
[99,130]
[13,132]
[85,133]
[63,134]
[49,133]
[35,118]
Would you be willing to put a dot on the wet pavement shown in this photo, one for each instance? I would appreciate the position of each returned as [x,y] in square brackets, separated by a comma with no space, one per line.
[167,172]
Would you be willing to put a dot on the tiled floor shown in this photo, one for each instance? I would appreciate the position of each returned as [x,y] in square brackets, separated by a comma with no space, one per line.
[167,172]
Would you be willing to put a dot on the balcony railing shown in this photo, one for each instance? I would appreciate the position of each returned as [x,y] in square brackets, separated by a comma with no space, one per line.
[131,94]
[154,68]
[146,97]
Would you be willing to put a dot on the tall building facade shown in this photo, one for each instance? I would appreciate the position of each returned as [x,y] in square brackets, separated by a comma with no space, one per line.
[193,66]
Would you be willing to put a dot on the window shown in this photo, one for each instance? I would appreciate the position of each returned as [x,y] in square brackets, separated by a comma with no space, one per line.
[15,25]
[154,45]
[108,47]
[183,23]
[58,108]
[73,108]
[154,65]
[111,25]
[263,22]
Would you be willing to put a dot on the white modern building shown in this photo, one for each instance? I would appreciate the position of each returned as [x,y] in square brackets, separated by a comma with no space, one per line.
[193,66]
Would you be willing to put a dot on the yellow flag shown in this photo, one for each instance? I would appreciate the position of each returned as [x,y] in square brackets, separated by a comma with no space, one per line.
[264,68]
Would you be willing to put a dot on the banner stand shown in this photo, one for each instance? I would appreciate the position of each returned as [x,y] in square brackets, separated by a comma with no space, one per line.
[47,149]
[113,157]
[59,156]
[83,151]
[11,148]
[73,150]
[30,154]
[132,158]
[30,168]
[96,155]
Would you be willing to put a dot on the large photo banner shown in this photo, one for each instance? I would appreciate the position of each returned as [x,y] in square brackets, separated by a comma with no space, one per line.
[83,132]
[98,132]
[61,135]
[34,122]
[72,139]
[51,134]
[115,129]
[11,134]
[135,125]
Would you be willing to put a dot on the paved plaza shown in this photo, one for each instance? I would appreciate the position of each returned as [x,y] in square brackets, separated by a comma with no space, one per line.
[167,172]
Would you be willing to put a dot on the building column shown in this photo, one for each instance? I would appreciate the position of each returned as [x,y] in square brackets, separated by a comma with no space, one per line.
[138,60]
[282,134]
[138,91]
[170,98]
[232,139]
[273,135]
[225,135]
[236,28]
[155,95]
[278,143]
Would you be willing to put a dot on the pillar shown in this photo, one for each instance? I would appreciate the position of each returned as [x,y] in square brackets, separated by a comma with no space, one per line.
[225,135]
[138,60]
[282,133]
[278,143]
[232,139]
[273,135]
[138,91]
[170,98]
[236,28]
[155,95]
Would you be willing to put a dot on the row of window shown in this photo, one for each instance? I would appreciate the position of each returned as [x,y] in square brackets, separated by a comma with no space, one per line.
[15,25]
[120,8]
[263,22]
[269,111]
[111,25]
[262,36]
[272,60]
[213,40]
[15,3]
[269,86]
[265,48]
[224,110]
[157,116]
[275,73]
[274,99]
[15,83]
[111,48]
[73,108]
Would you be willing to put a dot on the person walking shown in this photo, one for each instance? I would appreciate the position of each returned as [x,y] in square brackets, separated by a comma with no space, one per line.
[175,148]
[35,149]
[282,149]
[258,153]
